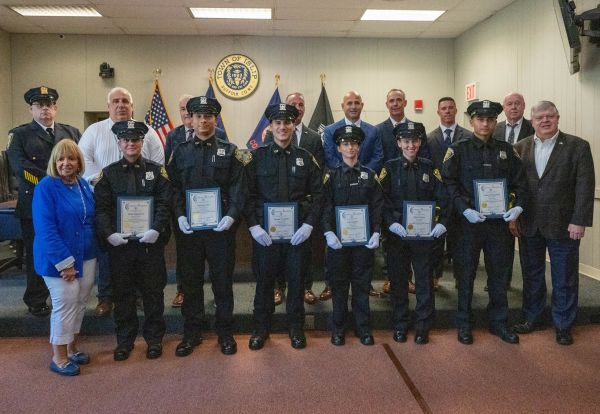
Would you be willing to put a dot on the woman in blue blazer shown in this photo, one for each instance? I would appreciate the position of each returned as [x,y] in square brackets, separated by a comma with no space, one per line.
[64,250]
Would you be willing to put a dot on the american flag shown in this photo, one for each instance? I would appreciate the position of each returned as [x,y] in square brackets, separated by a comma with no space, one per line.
[158,116]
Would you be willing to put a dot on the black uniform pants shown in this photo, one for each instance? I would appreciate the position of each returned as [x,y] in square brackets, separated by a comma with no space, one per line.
[401,254]
[270,261]
[36,292]
[350,265]
[138,267]
[218,249]
[493,237]
[281,282]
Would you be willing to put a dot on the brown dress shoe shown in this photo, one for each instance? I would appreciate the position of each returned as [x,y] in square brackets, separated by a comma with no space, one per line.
[104,308]
[178,300]
[278,296]
[309,297]
[387,287]
[326,294]
[411,287]
[375,293]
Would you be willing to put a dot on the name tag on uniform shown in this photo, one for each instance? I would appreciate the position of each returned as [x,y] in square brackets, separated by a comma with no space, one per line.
[300,162]
[149,175]
[503,155]
[425,178]
[221,152]
[364,175]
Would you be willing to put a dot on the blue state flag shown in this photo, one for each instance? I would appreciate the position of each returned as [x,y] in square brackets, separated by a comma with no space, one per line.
[258,136]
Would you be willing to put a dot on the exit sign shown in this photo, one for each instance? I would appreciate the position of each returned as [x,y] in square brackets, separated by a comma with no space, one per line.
[472,91]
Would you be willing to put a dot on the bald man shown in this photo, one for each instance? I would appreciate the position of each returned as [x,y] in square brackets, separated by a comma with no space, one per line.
[516,127]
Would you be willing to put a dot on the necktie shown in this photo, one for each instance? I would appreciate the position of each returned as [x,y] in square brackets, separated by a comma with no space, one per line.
[282,185]
[51,133]
[189,135]
[296,138]
[511,134]
[131,189]
[411,183]
[447,137]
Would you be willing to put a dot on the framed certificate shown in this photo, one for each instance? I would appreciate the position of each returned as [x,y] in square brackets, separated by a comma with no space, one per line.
[491,197]
[203,208]
[281,221]
[352,223]
[134,215]
[418,219]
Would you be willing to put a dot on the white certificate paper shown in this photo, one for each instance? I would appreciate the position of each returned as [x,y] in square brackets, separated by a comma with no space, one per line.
[353,225]
[491,197]
[418,219]
[281,221]
[134,215]
[203,208]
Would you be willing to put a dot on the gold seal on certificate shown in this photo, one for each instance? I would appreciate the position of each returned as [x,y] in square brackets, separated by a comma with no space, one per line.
[134,215]
[203,208]
[491,197]
[418,219]
[353,225]
[281,220]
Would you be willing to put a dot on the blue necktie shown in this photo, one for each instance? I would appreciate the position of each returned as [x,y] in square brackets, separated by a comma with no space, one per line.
[448,137]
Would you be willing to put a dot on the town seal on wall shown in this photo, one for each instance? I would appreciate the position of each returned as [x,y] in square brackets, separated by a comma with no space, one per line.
[236,76]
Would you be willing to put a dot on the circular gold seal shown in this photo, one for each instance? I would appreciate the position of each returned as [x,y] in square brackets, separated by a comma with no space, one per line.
[236,76]
[345,232]
[273,229]
[409,227]
[484,205]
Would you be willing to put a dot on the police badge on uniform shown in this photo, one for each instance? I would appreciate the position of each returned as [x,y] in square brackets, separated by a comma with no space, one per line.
[503,155]
[300,162]
[221,152]
[425,178]
[364,175]
[149,175]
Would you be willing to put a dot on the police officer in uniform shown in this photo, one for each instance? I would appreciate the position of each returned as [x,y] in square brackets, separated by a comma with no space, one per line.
[411,178]
[480,156]
[207,162]
[281,172]
[351,184]
[29,148]
[136,261]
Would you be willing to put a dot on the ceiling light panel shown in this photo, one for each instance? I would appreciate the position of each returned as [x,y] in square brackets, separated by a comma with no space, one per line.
[56,11]
[231,13]
[402,15]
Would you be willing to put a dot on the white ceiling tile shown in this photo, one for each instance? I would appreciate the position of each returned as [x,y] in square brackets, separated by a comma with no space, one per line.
[19,24]
[483,5]
[320,4]
[465,16]
[311,25]
[390,27]
[152,12]
[414,4]
[311,14]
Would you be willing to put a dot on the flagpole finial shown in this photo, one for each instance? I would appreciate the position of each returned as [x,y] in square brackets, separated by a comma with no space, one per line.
[322,76]
[211,74]
[277,77]
[157,73]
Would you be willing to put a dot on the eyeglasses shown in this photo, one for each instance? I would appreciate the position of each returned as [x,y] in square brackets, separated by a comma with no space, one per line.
[43,104]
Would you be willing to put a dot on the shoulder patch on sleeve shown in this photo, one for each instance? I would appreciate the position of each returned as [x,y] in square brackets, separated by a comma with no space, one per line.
[243,156]
[163,172]
[326,178]
[382,175]
[436,173]
[449,154]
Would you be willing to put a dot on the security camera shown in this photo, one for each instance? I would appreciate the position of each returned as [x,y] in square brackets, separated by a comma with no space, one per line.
[106,71]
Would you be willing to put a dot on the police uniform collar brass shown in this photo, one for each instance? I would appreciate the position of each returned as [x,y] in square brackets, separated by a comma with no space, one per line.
[207,142]
[346,167]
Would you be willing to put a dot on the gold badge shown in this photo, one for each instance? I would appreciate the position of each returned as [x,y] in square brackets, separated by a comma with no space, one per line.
[236,76]
[382,174]
[436,174]
[326,178]
[44,90]
[449,154]
[163,172]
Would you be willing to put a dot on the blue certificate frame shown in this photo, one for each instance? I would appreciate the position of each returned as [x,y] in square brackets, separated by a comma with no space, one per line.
[203,208]
[491,197]
[352,224]
[417,220]
[281,221]
[135,215]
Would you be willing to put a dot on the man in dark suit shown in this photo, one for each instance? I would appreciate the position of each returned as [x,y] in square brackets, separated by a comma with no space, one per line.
[560,173]
[396,102]
[439,140]
[29,149]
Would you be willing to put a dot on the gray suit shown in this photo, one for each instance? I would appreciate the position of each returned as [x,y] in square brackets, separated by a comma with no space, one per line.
[437,148]
[526,130]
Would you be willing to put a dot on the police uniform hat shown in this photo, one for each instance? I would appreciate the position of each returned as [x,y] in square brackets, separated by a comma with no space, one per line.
[130,129]
[203,105]
[41,93]
[348,133]
[281,111]
[409,130]
[486,109]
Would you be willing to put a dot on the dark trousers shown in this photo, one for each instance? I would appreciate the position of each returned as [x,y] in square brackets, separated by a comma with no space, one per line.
[138,267]
[493,237]
[281,282]
[401,254]
[452,249]
[104,289]
[269,262]
[218,249]
[564,267]
[36,292]
[350,265]
[179,255]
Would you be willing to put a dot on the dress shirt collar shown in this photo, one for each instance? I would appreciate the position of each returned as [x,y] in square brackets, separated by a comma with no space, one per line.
[346,167]
[394,123]
[549,141]
[348,122]
[44,127]
[444,128]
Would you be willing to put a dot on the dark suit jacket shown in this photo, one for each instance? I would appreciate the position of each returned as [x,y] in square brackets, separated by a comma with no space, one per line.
[310,140]
[526,130]
[390,144]
[370,155]
[564,194]
[435,141]
[28,152]
[177,135]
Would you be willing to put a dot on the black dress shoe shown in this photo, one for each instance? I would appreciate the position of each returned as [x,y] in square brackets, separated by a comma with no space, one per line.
[298,341]
[421,337]
[39,311]
[338,339]
[186,346]
[564,337]
[122,352]
[465,336]
[154,351]
[367,339]
[257,341]
[228,345]
[506,335]
[525,327]
[400,335]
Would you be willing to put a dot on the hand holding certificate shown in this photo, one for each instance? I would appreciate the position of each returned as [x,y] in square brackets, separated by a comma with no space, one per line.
[491,197]
[203,208]
[418,219]
[134,215]
[353,225]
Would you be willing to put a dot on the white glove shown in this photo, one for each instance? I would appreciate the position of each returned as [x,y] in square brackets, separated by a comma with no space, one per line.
[301,234]
[184,226]
[149,236]
[225,223]
[438,230]
[373,241]
[473,216]
[117,239]
[260,235]
[398,229]
[512,214]
[333,241]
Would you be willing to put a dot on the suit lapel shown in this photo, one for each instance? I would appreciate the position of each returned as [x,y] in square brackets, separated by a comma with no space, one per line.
[556,151]
[42,134]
